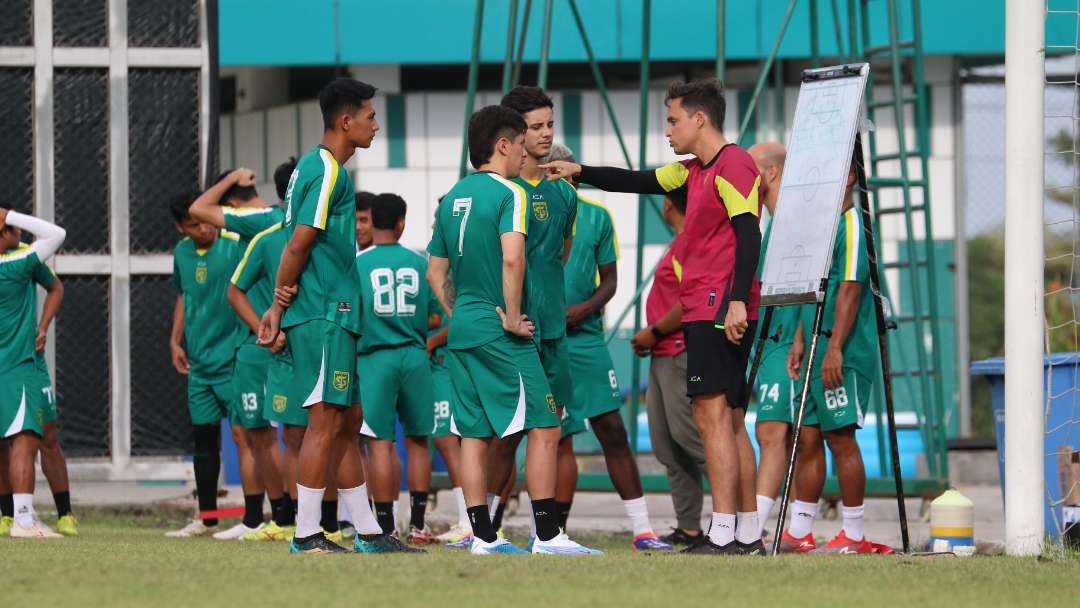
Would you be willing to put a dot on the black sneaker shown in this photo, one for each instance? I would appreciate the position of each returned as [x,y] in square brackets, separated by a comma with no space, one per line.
[679,536]
[755,548]
[315,544]
[707,547]
[381,543]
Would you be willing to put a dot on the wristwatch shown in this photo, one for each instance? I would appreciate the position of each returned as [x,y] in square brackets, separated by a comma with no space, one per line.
[659,335]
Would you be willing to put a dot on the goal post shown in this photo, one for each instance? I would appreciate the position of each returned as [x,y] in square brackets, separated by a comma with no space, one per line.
[1024,293]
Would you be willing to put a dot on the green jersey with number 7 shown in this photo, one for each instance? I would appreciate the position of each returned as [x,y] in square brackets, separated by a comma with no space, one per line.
[472,217]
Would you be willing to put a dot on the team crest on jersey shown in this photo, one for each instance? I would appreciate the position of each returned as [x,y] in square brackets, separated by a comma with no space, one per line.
[540,210]
[200,273]
[280,403]
[551,404]
[341,380]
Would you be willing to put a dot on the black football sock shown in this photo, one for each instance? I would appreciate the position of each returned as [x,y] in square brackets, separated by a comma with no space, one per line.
[384,513]
[564,513]
[329,516]
[63,503]
[253,510]
[547,518]
[481,524]
[7,505]
[417,509]
[207,462]
[280,511]
[496,519]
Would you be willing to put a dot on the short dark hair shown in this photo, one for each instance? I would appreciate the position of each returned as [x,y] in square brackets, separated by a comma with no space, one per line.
[282,175]
[701,95]
[524,99]
[364,200]
[179,205]
[486,126]
[242,193]
[386,210]
[678,199]
[342,95]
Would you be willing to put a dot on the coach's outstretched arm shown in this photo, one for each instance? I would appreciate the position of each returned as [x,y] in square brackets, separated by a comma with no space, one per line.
[609,179]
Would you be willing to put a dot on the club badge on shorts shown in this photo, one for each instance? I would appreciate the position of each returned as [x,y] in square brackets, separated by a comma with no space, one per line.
[341,380]
[280,403]
[551,404]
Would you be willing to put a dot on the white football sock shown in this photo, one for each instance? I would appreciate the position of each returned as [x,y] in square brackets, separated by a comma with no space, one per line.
[764,507]
[396,527]
[462,510]
[638,512]
[747,528]
[722,530]
[24,509]
[356,504]
[853,521]
[342,511]
[802,518]
[308,510]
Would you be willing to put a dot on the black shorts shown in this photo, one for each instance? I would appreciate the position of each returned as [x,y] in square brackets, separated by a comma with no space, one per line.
[715,365]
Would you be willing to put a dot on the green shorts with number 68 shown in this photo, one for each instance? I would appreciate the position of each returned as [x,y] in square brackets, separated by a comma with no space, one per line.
[838,408]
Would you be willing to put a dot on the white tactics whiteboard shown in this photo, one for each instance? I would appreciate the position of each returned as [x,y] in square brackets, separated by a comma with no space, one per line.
[812,186]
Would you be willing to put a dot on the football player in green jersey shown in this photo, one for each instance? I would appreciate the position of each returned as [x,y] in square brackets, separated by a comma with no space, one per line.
[322,321]
[24,395]
[203,344]
[590,281]
[234,204]
[397,386]
[500,388]
[551,207]
[840,387]
[773,391]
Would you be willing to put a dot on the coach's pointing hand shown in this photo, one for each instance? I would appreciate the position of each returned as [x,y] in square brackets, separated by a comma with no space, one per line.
[560,169]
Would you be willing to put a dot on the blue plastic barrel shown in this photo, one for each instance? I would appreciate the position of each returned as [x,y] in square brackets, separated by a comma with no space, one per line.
[1060,402]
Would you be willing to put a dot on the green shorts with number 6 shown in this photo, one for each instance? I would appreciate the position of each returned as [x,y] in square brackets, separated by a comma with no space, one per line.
[282,398]
[324,363]
[442,392]
[500,389]
[249,379]
[838,408]
[396,383]
[774,391]
[596,387]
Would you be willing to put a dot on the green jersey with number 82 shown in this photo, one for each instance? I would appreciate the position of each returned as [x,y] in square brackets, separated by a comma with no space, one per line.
[395,295]
[469,224]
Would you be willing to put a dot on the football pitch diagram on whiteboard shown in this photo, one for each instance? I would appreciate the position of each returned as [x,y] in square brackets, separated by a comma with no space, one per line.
[812,187]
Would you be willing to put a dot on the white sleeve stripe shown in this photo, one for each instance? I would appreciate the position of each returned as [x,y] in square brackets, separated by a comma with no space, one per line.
[324,189]
[519,201]
[853,229]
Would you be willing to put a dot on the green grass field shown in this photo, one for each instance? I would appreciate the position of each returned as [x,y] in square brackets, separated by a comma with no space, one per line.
[123,560]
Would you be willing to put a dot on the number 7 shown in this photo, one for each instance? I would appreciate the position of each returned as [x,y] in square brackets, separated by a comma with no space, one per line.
[462,205]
